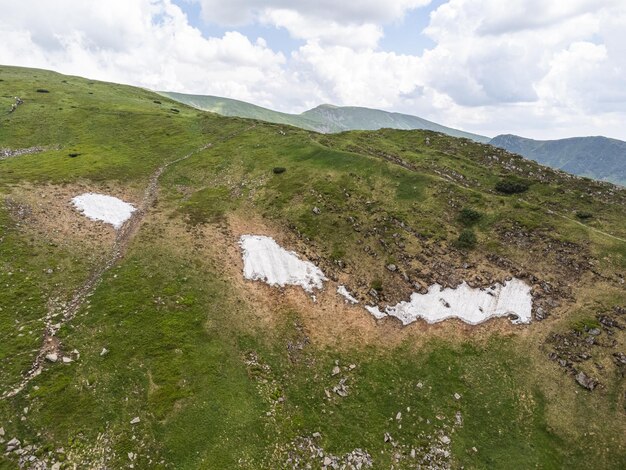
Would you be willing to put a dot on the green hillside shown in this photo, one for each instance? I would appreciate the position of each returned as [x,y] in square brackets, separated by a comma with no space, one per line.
[325,118]
[166,357]
[599,158]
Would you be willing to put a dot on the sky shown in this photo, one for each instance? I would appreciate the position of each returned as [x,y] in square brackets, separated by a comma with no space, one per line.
[536,68]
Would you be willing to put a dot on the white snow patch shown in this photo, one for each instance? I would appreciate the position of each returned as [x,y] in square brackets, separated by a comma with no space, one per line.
[341,290]
[374,310]
[471,305]
[265,260]
[108,209]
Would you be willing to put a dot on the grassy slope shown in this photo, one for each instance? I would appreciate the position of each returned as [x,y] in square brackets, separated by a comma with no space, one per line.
[178,330]
[324,118]
[595,157]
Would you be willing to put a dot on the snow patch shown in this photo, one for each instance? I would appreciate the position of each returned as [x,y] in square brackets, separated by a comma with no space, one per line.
[375,311]
[108,209]
[265,260]
[470,305]
[341,290]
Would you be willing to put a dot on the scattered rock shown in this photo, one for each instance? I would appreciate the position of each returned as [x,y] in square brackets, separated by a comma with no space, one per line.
[457,396]
[444,440]
[392,267]
[13,444]
[104,352]
[585,381]
[336,370]
[135,420]
[52,357]
[316,210]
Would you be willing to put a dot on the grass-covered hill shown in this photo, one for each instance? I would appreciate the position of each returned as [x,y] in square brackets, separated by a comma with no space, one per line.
[599,158]
[324,118]
[172,360]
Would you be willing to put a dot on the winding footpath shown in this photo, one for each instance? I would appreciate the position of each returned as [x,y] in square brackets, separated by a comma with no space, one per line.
[125,234]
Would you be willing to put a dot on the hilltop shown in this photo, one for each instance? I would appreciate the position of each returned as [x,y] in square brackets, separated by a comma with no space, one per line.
[143,332]
[325,118]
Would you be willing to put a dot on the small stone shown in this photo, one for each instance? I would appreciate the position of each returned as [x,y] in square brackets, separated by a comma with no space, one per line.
[327,461]
[585,381]
[457,396]
[399,416]
[392,267]
[316,210]
[336,370]
[317,435]
[1,432]
[104,351]
[56,466]
[419,385]
[444,440]
[135,420]
[352,366]
[67,360]
[13,444]
[412,453]
[52,357]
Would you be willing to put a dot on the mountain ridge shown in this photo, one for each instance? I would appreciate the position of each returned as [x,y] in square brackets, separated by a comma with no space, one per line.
[598,157]
[325,118]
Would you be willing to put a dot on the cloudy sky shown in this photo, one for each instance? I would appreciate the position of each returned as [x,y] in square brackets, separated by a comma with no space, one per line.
[542,69]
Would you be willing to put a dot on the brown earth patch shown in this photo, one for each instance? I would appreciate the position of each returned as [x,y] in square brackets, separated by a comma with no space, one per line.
[328,320]
[48,213]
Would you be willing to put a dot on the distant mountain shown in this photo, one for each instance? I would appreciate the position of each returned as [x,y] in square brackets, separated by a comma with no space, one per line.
[325,118]
[600,158]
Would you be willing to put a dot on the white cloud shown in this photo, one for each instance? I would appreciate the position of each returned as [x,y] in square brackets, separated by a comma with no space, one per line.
[542,69]
[239,12]
[146,42]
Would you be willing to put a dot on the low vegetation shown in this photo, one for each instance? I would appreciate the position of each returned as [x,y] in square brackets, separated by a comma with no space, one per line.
[178,362]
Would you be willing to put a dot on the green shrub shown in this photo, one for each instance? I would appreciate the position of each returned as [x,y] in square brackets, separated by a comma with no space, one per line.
[377,285]
[469,216]
[42,90]
[467,239]
[512,186]
[584,215]
[278,170]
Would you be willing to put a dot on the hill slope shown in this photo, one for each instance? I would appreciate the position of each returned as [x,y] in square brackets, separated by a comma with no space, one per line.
[324,118]
[147,346]
[599,158]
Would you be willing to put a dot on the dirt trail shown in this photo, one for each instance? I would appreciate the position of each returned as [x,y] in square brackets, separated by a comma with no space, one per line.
[55,319]
[6,153]
[593,229]
[408,166]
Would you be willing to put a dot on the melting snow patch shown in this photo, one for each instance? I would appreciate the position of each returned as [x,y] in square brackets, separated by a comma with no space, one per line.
[108,209]
[265,260]
[375,311]
[341,290]
[471,305]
